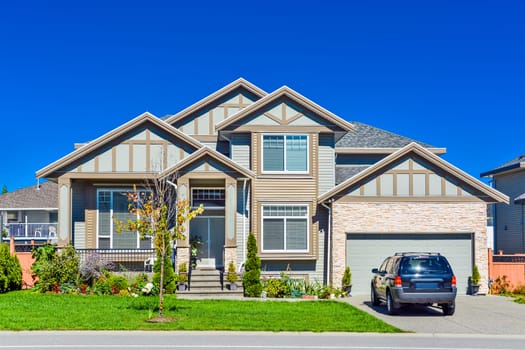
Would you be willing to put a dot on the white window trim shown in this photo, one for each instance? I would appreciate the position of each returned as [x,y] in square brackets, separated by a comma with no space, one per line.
[306,217]
[111,227]
[307,171]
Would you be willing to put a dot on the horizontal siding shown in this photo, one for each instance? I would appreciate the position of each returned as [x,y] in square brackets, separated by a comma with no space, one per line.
[240,149]
[509,217]
[286,188]
[326,167]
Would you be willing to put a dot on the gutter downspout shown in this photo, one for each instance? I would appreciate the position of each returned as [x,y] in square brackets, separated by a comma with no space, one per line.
[328,249]
[244,210]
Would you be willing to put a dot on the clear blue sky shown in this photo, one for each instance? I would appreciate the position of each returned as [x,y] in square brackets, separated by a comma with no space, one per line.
[448,73]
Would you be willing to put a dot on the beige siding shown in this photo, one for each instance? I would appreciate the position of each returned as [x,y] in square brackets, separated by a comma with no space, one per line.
[91,228]
[509,227]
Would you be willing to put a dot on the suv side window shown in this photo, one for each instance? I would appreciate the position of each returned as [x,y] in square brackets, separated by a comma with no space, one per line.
[382,268]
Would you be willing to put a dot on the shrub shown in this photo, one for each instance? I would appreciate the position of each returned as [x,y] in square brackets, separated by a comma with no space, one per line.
[347,277]
[500,286]
[232,273]
[170,279]
[519,289]
[94,267]
[475,276]
[277,287]
[10,270]
[252,277]
[55,267]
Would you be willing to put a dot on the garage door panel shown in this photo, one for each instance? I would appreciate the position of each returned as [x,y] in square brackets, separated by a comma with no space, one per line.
[366,251]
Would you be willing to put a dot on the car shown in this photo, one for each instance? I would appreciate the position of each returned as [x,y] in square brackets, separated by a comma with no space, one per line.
[414,278]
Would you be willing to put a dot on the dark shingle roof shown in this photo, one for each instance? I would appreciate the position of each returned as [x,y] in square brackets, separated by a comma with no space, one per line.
[31,197]
[515,163]
[342,173]
[366,136]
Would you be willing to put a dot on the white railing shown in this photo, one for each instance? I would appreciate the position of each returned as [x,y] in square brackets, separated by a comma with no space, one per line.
[24,230]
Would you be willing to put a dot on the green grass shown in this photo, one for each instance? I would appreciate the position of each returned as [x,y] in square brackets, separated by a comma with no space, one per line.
[33,311]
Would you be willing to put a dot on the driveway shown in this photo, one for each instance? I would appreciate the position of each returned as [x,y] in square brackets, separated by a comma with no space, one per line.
[474,315]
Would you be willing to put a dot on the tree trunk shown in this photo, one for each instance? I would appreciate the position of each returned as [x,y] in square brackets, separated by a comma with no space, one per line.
[161,290]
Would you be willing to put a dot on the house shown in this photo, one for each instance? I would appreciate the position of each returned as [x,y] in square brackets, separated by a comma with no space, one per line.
[319,192]
[509,229]
[30,213]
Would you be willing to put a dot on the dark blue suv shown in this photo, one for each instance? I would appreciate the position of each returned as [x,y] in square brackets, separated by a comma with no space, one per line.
[414,278]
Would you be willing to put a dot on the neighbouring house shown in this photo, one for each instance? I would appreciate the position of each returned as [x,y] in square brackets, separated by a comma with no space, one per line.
[509,227]
[318,191]
[30,213]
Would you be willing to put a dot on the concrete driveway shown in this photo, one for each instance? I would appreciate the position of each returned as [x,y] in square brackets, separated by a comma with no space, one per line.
[474,315]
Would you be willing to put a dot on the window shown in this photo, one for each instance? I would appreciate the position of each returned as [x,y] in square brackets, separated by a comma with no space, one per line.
[285,228]
[285,153]
[209,197]
[113,205]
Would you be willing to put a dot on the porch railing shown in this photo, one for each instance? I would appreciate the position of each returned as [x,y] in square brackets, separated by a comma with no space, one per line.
[135,260]
[25,230]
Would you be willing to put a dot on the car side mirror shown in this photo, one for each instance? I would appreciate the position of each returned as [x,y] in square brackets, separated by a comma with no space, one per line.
[375,270]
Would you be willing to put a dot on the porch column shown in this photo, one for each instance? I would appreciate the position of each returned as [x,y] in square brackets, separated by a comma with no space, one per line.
[183,245]
[230,210]
[64,211]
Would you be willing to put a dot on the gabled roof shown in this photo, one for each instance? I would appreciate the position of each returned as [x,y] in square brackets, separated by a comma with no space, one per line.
[239,83]
[376,140]
[203,152]
[516,163]
[292,95]
[426,155]
[40,197]
[113,134]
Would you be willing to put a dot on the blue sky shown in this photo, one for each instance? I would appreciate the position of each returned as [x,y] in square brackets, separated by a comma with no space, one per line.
[448,73]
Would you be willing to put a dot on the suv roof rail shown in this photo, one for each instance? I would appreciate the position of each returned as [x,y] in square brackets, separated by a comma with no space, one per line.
[416,253]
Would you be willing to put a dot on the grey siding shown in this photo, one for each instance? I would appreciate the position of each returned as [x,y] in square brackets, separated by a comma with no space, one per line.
[510,235]
[78,217]
[240,149]
[326,167]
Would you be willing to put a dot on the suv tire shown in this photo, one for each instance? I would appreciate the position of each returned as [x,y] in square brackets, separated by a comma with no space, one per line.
[449,309]
[373,297]
[391,306]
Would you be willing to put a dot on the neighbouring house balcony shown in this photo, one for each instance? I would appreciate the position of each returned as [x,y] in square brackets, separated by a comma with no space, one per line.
[32,231]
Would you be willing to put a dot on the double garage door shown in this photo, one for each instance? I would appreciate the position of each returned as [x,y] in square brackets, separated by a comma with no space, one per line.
[366,251]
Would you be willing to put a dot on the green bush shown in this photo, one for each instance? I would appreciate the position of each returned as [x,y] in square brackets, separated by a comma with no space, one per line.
[278,287]
[232,273]
[170,279]
[55,267]
[475,276]
[10,270]
[251,279]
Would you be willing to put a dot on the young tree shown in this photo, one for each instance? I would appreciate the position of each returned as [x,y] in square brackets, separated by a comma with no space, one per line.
[252,276]
[4,189]
[161,216]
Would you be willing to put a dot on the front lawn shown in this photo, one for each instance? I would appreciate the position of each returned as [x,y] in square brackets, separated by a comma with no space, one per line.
[27,310]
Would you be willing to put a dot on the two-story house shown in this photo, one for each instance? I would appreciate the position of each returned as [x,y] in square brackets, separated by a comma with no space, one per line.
[319,192]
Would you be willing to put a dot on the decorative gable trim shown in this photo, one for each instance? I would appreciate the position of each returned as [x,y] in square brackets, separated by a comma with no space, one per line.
[293,96]
[203,152]
[115,133]
[428,156]
[215,96]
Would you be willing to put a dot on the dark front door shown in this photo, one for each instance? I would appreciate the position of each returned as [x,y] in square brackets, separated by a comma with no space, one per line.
[209,231]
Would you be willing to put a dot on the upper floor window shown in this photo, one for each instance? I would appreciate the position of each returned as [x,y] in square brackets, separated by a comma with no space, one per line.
[285,153]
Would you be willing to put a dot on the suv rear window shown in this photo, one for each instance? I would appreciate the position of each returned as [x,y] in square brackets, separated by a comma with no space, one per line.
[425,264]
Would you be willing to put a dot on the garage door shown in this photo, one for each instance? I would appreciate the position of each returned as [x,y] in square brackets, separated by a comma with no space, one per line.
[366,251]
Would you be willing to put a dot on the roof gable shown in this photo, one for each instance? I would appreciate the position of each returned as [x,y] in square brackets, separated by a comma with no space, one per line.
[215,160]
[285,107]
[218,105]
[415,159]
[145,127]
[512,165]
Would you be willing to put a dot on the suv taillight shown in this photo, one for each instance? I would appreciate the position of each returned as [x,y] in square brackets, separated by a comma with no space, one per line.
[453,281]
[399,283]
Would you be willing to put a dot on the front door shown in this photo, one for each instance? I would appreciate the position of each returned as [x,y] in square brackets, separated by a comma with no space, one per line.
[208,232]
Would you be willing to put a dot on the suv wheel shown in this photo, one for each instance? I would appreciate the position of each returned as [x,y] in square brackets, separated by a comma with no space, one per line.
[391,306]
[448,309]
[373,296]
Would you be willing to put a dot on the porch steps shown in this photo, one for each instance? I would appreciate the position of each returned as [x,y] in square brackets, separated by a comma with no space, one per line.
[207,283]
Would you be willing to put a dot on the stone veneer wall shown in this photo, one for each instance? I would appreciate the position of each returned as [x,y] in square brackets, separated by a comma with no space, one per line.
[409,217]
